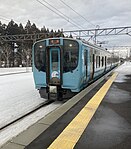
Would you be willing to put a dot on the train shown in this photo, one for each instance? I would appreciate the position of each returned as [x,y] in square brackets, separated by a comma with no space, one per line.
[64,66]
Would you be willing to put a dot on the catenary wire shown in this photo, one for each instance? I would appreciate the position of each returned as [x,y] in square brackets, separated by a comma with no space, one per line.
[58,14]
[67,17]
[78,13]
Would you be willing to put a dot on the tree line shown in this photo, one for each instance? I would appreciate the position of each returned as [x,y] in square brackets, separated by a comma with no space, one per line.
[30,28]
[14,54]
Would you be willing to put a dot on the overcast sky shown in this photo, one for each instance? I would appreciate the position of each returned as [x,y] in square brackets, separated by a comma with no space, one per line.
[105,13]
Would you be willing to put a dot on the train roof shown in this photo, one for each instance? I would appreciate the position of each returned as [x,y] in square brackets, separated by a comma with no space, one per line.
[93,45]
[86,43]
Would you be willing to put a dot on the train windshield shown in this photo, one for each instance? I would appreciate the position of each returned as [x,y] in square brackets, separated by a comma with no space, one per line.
[39,56]
[70,55]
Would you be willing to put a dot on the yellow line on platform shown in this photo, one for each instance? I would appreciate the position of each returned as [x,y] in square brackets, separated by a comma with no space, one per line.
[72,133]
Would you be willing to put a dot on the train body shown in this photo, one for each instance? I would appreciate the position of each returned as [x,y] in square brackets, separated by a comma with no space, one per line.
[62,65]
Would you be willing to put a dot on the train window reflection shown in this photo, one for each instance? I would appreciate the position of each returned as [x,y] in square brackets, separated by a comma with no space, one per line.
[70,55]
[39,56]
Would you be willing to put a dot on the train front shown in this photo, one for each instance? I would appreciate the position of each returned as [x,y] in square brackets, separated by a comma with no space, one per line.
[55,67]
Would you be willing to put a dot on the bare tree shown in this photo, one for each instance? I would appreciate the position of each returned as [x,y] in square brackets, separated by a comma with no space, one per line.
[25,52]
[6,52]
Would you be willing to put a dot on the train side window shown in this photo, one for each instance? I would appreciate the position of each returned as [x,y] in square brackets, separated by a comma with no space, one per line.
[96,61]
[85,57]
[70,55]
[102,61]
[39,56]
[99,61]
[105,61]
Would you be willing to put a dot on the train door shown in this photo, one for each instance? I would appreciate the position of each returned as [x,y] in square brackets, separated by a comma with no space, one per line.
[86,64]
[105,62]
[53,71]
[92,64]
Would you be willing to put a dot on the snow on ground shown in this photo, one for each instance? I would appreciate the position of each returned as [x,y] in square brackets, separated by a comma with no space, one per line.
[17,96]
[14,130]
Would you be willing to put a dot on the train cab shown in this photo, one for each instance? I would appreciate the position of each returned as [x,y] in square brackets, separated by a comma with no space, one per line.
[56,65]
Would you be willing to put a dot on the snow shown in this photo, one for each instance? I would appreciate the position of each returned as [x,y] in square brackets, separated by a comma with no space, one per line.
[17,96]
[14,130]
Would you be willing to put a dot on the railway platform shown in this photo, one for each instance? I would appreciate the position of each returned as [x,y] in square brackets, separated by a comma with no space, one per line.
[97,118]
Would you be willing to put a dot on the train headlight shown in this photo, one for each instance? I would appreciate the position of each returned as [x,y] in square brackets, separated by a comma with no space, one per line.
[70,45]
[40,46]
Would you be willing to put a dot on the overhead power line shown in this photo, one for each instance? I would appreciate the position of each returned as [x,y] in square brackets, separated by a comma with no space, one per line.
[58,13]
[95,26]
[67,17]
[78,13]
[62,15]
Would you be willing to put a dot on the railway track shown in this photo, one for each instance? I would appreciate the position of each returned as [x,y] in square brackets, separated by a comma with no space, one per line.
[27,114]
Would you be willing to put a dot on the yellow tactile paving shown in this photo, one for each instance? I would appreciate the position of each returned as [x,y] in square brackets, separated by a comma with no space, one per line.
[71,134]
